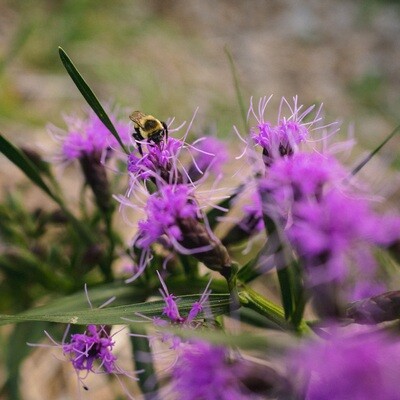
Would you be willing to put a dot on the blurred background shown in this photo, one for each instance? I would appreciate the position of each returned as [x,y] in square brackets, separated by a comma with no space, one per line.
[168,57]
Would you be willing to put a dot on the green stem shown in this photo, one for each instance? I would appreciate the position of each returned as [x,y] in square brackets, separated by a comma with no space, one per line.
[251,299]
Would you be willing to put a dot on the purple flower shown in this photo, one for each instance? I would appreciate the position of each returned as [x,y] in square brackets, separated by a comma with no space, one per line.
[163,210]
[90,352]
[158,162]
[88,135]
[284,137]
[171,311]
[338,232]
[204,371]
[357,367]
[84,349]
[171,306]
[301,177]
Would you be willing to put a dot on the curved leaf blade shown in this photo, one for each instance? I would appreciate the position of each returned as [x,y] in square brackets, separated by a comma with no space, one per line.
[218,304]
[89,95]
[19,159]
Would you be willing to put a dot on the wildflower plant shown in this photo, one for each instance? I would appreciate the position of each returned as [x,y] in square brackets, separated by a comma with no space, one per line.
[297,245]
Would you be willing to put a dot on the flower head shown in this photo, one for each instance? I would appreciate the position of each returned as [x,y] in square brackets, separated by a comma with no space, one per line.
[356,366]
[301,178]
[204,371]
[158,162]
[338,232]
[173,317]
[164,209]
[284,137]
[86,136]
[84,349]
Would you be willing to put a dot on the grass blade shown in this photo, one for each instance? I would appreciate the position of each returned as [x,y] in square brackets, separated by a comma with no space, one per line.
[218,304]
[239,96]
[375,151]
[19,159]
[89,96]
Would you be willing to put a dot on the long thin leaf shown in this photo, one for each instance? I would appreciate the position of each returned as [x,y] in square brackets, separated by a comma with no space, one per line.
[89,95]
[239,96]
[19,159]
[375,151]
[143,361]
[219,304]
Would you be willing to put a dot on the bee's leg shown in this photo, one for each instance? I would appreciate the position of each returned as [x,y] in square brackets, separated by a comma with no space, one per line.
[139,147]
[138,137]
[165,130]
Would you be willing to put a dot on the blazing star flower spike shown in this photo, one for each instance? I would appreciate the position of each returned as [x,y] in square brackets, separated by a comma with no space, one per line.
[173,213]
[284,137]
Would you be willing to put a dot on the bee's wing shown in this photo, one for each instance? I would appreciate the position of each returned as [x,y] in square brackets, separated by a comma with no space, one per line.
[136,117]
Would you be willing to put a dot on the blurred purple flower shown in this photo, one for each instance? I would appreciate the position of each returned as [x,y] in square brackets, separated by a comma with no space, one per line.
[357,367]
[252,222]
[338,232]
[88,135]
[302,176]
[204,371]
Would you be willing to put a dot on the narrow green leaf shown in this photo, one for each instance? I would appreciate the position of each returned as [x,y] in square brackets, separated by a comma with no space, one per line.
[219,304]
[375,151]
[98,296]
[19,159]
[276,246]
[143,361]
[239,96]
[89,96]
[285,283]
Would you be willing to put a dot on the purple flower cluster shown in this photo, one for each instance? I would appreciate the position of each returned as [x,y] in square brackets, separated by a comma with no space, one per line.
[284,137]
[164,209]
[205,371]
[86,136]
[339,231]
[173,215]
[158,162]
[84,349]
[355,366]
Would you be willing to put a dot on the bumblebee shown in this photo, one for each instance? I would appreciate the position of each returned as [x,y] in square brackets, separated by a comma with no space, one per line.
[148,128]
